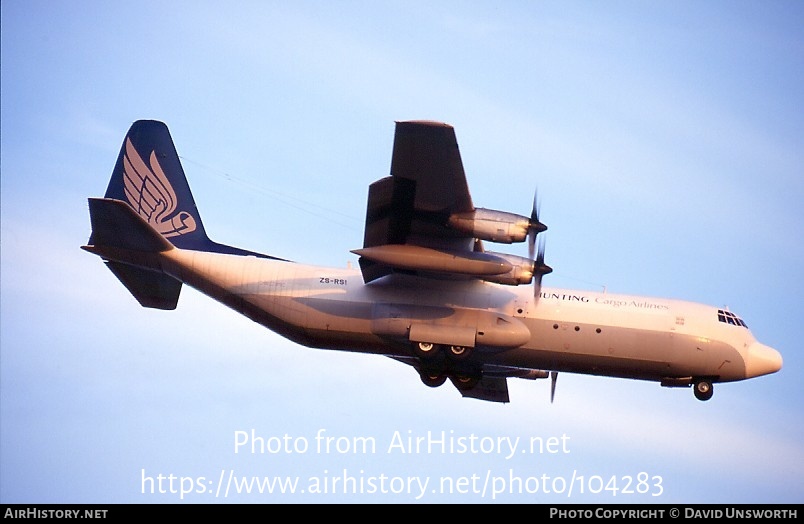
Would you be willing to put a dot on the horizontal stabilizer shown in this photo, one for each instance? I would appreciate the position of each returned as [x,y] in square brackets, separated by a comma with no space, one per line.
[116,225]
[129,245]
[151,289]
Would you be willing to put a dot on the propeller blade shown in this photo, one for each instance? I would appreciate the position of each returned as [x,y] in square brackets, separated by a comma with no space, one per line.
[535,224]
[535,227]
[539,269]
[553,378]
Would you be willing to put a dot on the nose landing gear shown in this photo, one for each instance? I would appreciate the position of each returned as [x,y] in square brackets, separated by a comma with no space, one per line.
[703,389]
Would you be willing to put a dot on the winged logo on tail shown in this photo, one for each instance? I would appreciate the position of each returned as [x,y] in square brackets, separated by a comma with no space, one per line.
[151,194]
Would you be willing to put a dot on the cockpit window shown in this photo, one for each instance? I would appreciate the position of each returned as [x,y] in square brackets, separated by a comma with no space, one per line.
[727,317]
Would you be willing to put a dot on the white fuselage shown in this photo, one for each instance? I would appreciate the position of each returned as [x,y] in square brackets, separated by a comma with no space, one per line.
[563,330]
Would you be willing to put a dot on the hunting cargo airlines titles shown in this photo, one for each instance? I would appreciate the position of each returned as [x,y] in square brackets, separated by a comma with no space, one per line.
[427,292]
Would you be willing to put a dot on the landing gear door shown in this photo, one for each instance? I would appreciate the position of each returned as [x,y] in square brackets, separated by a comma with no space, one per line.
[456,335]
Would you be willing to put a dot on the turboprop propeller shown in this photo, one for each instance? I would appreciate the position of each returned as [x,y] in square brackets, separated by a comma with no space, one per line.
[539,267]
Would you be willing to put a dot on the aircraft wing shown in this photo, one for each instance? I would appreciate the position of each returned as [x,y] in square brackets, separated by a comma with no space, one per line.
[426,186]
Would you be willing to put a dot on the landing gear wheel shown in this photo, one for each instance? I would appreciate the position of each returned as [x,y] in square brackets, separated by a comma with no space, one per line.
[426,350]
[459,352]
[703,389]
[433,379]
[465,383]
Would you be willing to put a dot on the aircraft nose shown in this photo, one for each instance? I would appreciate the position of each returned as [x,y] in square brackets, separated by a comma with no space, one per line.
[762,360]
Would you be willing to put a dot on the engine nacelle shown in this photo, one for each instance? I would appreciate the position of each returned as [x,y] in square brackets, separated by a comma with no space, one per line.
[491,225]
[521,271]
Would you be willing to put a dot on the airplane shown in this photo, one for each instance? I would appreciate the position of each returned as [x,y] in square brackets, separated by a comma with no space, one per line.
[427,293]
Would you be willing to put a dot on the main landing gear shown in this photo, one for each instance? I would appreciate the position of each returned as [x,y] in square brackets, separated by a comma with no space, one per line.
[429,351]
[439,362]
[433,379]
[436,378]
[703,389]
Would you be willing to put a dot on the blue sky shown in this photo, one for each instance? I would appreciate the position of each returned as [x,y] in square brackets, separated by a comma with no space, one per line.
[665,142]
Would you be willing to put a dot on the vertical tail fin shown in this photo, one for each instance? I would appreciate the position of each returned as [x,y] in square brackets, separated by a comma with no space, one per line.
[148,210]
[148,176]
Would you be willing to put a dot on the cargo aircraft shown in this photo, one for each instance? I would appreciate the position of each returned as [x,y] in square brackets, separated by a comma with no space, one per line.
[427,292]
